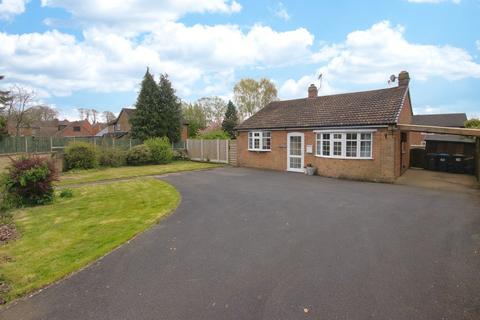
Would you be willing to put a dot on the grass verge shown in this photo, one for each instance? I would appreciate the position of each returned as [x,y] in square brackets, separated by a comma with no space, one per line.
[60,238]
[85,176]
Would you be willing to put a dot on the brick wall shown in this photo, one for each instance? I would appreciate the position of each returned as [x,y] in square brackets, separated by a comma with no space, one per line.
[385,165]
[124,122]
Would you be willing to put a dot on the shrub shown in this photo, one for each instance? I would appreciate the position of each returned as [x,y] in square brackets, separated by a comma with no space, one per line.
[29,181]
[139,155]
[111,157]
[80,155]
[213,135]
[180,154]
[160,149]
[66,193]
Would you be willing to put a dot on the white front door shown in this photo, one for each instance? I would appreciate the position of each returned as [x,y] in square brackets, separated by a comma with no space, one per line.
[295,152]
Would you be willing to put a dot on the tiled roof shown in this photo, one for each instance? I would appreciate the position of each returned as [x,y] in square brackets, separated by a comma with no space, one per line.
[449,138]
[441,120]
[376,107]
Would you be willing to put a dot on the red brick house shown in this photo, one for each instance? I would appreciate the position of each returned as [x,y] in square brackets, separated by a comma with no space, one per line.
[351,135]
[81,128]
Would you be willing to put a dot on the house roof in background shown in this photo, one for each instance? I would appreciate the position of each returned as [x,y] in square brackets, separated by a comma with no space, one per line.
[449,138]
[375,107]
[129,111]
[440,120]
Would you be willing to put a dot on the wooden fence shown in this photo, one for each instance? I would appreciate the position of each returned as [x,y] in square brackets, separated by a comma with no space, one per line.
[208,150]
[51,144]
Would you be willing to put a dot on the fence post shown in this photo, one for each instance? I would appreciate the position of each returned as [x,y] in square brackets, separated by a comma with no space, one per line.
[227,142]
[201,149]
[51,144]
[94,143]
[26,144]
[130,147]
[218,150]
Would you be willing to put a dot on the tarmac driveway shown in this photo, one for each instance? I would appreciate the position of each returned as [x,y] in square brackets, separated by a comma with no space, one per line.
[251,244]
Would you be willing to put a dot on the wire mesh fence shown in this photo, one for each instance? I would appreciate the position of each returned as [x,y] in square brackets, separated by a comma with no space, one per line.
[51,144]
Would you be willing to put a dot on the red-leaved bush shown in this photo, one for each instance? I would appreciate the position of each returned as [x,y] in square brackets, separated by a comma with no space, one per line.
[29,181]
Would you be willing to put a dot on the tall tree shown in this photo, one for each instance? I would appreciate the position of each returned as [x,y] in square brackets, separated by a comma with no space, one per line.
[230,120]
[42,113]
[4,99]
[214,108]
[21,99]
[4,96]
[95,115]
[251,95]
[195,116]
[108,116]
[171,107]
[82,113]
[149,119]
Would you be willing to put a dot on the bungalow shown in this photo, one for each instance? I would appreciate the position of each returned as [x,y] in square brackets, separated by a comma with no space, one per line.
[351,135]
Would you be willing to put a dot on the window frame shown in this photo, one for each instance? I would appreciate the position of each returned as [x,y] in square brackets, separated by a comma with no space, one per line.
[342,139]
[261,136]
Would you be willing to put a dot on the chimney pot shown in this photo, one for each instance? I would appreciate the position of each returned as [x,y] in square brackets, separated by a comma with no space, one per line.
[312,91]
[403,79]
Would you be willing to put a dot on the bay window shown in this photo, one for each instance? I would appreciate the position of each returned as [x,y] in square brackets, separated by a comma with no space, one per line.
[344,145]
[259,140]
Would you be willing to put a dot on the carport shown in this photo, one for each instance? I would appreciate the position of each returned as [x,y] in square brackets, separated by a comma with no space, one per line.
[473,133]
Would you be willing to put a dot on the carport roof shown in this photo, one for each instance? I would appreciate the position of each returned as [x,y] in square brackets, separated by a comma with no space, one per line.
[375,107]
[441,120]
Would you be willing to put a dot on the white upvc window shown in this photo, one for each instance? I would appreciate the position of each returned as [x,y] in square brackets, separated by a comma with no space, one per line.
[259,140]
[349,144]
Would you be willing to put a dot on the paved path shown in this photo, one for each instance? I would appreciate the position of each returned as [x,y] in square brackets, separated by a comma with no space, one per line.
[251,244]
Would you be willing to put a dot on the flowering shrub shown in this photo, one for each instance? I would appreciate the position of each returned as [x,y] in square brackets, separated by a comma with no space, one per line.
[29,181]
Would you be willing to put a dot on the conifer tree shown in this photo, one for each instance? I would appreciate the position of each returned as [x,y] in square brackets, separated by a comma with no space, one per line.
[230,120]
[172,109]
[148,120]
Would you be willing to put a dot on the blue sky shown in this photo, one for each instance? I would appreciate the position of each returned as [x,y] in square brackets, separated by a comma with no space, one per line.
[93,54]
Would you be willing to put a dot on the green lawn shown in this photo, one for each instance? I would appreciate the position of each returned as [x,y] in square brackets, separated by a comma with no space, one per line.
[60,238]
[93,175]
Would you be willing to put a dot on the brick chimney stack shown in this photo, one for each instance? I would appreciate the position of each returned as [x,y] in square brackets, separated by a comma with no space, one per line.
[403,79]
[312,91]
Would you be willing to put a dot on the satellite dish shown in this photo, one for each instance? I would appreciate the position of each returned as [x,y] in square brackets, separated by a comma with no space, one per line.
[393,78]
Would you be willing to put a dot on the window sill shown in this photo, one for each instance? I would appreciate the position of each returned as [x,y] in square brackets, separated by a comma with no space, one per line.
[344,158]
[258,150]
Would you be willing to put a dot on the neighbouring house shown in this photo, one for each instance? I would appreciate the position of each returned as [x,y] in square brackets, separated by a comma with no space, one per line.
[81,128]
[452,120]
[39,128]
[121,126]
[351,135]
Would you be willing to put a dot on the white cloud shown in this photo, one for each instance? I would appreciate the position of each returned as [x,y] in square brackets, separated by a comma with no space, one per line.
[11,8]
[133,16]
[200,57]
[57,63]
[370,56]
[478,44]
[281,12]
[434,1]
